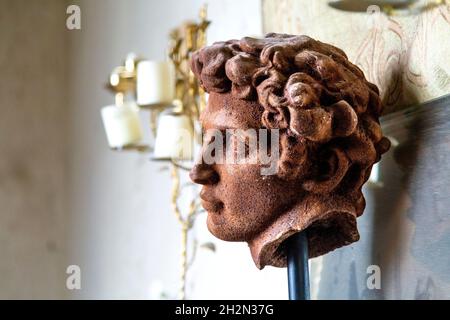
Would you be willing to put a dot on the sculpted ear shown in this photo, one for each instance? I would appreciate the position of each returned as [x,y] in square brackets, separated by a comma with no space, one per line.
[320,124]
[332,166]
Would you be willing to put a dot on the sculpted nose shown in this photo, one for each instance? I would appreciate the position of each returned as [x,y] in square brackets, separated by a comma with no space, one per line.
[203,173]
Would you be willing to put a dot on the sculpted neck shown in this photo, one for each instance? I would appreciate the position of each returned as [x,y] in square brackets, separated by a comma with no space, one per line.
[331,223]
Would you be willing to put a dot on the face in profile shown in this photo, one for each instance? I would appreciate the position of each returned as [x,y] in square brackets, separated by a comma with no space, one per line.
[240,199]
[325,114]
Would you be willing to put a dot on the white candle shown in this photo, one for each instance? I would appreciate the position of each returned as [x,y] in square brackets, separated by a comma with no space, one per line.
[122,124]
[155,82]
[174,137]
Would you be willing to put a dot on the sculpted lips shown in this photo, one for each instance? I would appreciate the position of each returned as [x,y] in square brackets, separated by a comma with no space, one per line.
[210,203]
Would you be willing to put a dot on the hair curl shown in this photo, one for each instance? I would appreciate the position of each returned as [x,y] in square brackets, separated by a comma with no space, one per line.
[309,90]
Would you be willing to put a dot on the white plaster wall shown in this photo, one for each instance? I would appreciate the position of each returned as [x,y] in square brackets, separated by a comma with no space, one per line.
[123,234]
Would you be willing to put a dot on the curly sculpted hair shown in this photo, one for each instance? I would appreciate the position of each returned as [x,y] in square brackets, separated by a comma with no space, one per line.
[310,91]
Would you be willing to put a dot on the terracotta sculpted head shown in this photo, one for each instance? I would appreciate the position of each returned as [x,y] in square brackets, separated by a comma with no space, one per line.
[326,116]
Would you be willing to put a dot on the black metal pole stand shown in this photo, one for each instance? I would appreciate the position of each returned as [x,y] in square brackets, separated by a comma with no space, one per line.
[297,265]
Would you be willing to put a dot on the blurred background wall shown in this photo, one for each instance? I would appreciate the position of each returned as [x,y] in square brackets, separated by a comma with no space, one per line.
[65,197]
[34,150]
